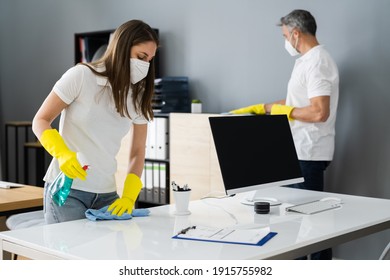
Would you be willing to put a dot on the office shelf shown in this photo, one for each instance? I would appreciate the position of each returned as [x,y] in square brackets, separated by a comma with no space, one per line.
[156,172]
[12,148]
[90,46]
[17,154]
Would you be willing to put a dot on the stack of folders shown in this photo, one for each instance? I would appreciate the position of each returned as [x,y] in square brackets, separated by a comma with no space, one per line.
[157,140]
[154,179]
[154,176]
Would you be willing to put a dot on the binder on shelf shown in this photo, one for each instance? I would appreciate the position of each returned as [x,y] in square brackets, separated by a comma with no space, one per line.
[156,182]
[82,49]
[111,37]
[149,181]
[161,126]
[163,183]
[142,194]
[151,140]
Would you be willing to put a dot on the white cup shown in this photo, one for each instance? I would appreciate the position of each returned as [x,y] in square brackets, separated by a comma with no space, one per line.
[182,199]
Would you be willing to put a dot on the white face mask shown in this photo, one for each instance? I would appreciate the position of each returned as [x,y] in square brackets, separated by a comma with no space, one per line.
[290,49]
[138,70]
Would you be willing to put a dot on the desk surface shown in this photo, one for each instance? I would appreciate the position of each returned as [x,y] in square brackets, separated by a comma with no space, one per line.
[15,199]
[150,237]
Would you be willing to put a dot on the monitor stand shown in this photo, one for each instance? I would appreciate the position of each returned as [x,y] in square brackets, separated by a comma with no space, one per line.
[256,196]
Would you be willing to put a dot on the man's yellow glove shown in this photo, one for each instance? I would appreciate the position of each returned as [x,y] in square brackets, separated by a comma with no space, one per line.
[131,189]
[54,144]
[257,109]
[279,109]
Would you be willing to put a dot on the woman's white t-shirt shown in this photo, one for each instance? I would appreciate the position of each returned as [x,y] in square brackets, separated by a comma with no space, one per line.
[92,127]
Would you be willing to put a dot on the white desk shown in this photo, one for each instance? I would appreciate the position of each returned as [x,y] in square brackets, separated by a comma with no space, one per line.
[150,237]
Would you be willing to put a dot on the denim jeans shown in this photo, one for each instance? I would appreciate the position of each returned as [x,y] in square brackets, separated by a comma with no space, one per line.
[313,173]
[75,206]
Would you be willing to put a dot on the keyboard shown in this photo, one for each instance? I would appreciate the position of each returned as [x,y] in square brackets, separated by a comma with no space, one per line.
[316,206]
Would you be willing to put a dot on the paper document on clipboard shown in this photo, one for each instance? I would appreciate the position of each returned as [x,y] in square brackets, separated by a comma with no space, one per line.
[253,236]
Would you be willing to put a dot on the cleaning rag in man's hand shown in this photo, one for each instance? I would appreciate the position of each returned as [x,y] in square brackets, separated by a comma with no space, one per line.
[103,214]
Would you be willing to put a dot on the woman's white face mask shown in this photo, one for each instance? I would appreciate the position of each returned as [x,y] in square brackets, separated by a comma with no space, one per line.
[138,70]
[289,47]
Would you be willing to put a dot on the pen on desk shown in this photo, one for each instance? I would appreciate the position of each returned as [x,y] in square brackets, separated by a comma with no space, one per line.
[184,231]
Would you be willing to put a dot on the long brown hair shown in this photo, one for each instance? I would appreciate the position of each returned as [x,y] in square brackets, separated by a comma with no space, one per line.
[117,63]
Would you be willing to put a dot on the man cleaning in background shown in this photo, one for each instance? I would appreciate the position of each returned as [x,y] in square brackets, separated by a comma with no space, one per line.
[311,102]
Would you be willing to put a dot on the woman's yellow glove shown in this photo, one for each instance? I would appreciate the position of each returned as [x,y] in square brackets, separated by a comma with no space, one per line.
[131,190]
[55,145]
[257,109]
[279,109]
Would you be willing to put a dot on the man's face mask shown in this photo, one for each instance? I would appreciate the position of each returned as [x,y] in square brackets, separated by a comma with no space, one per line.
[289,47]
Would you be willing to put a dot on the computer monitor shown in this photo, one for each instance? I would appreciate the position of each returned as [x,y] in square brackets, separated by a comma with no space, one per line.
[255,152]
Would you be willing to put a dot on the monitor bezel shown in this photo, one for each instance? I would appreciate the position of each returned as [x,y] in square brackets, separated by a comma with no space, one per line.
[264,186]
[249,188]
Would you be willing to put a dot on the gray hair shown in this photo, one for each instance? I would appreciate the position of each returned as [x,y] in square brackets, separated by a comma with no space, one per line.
[300,19]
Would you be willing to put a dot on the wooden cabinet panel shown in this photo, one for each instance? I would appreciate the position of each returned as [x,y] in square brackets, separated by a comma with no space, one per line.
[193,157]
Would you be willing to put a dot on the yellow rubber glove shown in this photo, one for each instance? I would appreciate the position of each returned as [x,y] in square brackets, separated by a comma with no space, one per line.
[257,109]
[131,189]
[54,144]
[279,109]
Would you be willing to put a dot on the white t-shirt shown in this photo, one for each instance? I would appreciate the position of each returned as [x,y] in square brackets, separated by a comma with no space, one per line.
[92,127]
[314,74]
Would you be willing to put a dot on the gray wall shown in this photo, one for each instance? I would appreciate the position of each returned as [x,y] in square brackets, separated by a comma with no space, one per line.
[233,53]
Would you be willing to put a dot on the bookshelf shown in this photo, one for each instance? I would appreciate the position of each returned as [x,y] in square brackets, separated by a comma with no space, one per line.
[91,45]
[155,176]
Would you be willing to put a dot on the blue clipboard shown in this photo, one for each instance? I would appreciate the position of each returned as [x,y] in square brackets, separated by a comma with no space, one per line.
[262,241]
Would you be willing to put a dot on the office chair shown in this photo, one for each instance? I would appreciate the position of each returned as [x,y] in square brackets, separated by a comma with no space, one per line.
[386,253]
[25,220]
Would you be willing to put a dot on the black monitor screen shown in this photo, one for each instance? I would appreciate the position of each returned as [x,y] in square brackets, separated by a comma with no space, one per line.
[255,151]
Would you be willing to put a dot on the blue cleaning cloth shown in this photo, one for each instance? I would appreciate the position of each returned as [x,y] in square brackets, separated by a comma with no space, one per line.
[103,214]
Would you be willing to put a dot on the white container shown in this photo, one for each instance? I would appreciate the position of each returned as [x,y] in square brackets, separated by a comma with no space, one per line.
[196,108]
[182,199]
